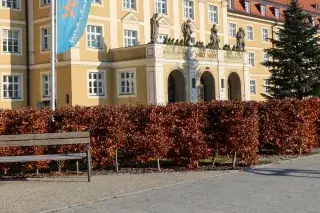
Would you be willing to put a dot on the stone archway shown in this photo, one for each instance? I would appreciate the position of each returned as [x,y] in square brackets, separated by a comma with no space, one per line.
[234,87]
[176,87]
[206,90]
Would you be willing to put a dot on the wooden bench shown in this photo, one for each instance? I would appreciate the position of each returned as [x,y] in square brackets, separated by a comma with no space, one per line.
[47,139]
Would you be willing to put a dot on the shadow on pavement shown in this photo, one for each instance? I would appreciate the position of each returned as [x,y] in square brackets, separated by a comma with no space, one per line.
[284,172]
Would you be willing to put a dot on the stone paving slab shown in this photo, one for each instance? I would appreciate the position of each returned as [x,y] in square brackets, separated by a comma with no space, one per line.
[41,194]
[288,187]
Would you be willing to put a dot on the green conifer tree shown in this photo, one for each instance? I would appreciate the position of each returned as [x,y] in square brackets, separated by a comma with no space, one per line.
[294,59]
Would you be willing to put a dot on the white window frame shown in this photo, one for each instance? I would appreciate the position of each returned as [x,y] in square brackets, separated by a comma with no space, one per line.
[134,80]
[97,2]
[247,34]
[161,37]
[160,9]
[263,9]
[266,83]
[44,3]
[251,63]
[130,2]
[127,38]
[247,6]
[42,50]
[265,57]
[213,14]
[263,38]
[10,8]
[43,97]
[277,13]
[103,81]
[189,11]
[102,47]
[235,30]
[253,87]
[231,4]
[19,40]
[20,86]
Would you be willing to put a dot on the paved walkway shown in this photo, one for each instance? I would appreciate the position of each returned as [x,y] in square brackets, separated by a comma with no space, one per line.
[289,187]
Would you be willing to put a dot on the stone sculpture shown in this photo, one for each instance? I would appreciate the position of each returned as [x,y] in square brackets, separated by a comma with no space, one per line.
[187,32]
[240,40]
[154,26]
[214,39]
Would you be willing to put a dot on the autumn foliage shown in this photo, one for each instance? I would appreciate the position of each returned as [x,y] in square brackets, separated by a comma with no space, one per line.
[182,132]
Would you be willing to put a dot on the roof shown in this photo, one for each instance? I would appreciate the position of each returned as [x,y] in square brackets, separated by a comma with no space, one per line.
[271,5]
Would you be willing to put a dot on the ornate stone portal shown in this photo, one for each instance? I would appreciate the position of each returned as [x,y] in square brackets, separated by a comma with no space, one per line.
[154,26]
[187,32]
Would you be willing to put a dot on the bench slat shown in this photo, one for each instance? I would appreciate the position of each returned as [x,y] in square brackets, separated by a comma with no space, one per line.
[33,158]
[45,142]
[44,136]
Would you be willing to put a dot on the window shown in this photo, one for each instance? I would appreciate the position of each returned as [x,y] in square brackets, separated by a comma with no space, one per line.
[232,30]
[249,32]
[94,34]
[127,82]
[46,85]
[96,84]
[266,90]
[251,59]
[96,1]
[263,10]
[162,6]
[265,57]
[130,4]
[162,37]
[45,39]
[213,14]
[277,13]
[189,9]
[45,2]
[247,6]
[130,38]
[252,87]
[265,35]
[13,4]
[231,4]
[11,87]
[11,41]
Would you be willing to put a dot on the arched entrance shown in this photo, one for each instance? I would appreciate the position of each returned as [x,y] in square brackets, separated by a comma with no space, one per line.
[206,90]
[176,87]
[234,87]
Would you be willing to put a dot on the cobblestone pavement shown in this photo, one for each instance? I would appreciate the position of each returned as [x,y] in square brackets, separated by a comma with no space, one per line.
[289,187]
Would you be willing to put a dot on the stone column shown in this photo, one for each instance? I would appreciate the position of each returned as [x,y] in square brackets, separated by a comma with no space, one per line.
[176,19]
[31,32]
[113,24]
[192,76]
[246,75]
[222,83]
[146,18]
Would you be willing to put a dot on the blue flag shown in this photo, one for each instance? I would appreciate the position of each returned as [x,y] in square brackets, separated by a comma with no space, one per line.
[72,18]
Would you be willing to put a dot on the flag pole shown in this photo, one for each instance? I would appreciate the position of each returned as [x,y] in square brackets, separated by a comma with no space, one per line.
[53,55]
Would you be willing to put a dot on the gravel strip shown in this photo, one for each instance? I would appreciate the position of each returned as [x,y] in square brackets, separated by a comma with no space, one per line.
[41,194]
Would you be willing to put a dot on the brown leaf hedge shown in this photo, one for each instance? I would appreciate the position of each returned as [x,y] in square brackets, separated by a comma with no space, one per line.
[182,132]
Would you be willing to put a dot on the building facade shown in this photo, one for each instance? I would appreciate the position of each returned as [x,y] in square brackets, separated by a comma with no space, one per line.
[114,63]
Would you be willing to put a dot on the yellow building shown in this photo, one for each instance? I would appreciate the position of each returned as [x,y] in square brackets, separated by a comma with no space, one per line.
[114,63]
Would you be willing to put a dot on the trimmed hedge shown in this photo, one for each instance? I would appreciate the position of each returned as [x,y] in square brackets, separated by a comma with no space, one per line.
[182,132]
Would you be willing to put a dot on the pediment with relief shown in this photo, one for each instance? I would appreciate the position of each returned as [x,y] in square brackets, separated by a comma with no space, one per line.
[130,17]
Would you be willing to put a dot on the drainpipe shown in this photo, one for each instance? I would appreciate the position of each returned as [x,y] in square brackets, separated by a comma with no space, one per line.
[27,51]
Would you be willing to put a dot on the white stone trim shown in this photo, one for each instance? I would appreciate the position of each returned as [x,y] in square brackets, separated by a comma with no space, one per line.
[20,40]
[21,87]
[105,86]
[130,70]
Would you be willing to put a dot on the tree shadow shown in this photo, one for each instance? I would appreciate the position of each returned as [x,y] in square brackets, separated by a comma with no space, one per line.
[284,172]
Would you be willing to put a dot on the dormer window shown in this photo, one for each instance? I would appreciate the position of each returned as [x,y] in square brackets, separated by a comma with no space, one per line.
[247,7]
[231,4]
[316,6]
[263,9]
[277,13]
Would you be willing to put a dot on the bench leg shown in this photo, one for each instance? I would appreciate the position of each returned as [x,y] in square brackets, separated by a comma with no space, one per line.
[89,162]
[77,164]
